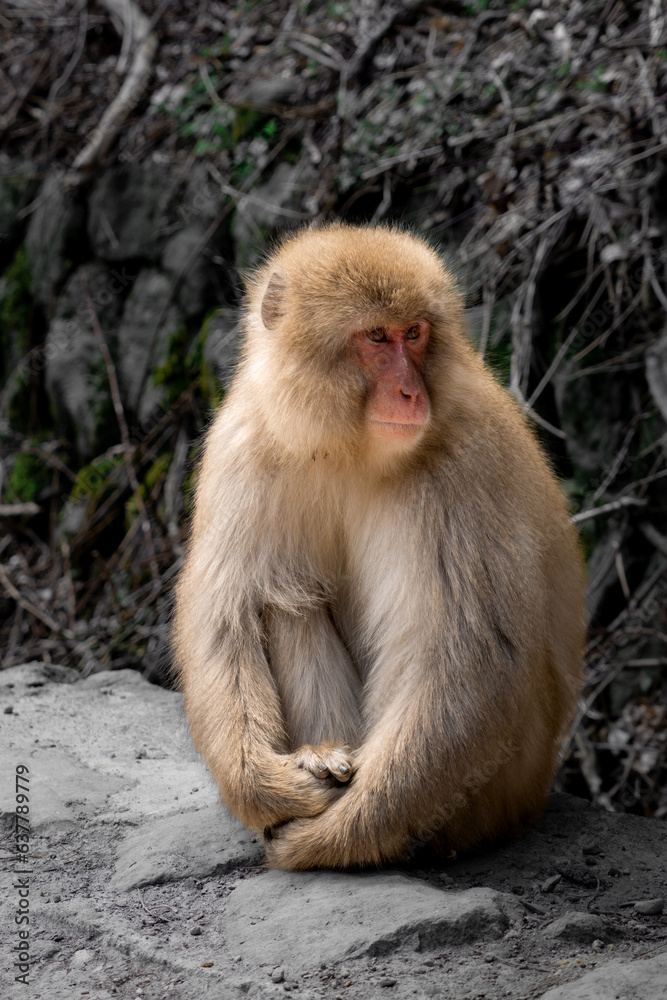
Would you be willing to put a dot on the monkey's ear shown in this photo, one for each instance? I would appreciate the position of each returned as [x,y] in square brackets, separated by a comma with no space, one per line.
[273,303]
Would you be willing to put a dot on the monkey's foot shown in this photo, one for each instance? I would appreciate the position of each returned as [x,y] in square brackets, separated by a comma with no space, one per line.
[326,760]
[299,845]
[325,841]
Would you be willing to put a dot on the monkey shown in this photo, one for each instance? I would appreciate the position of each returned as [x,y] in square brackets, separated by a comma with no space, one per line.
[379,623]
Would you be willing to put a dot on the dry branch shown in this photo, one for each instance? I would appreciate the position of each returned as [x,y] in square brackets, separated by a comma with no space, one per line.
[137,29]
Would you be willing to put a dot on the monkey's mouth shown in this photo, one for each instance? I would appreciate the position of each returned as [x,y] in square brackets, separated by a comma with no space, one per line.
[392,428]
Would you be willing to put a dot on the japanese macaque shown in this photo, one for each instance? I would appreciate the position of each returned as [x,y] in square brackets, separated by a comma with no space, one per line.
[379,625]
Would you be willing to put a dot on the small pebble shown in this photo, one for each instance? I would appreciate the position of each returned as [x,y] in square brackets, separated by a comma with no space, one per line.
[550,882]
[387,981]
[9,709]
[56,898]
[650,907]
[591,848]
[278,975]
[489,958]
[597,945]
[81,958]
[195,931]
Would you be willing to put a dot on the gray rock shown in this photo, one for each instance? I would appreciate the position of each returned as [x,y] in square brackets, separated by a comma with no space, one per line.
[81,957]
[282,913]
[650,907]
[202,199]
[62,789]
[193,844]
[642,979]
[112,753]
[76,381]
[193,273]
[54,228]
[142,349]
[129,212]
[582,927]
[37,674]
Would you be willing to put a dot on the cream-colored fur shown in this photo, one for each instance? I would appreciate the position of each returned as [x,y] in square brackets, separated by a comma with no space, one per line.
[410,614]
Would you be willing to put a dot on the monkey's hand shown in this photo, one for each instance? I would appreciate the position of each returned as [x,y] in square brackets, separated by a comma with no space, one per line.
[283,787]
[331,766]
[326,760]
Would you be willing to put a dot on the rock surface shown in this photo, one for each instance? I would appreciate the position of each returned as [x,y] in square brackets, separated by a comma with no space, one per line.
[139,884]
[76,378]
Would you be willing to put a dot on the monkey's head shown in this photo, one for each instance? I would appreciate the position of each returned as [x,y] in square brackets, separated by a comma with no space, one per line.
[352,336]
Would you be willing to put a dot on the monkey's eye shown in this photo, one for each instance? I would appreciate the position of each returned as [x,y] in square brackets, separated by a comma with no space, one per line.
[412,333]
[378,336]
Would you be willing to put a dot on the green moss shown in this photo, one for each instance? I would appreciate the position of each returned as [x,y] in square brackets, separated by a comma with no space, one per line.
[96,481]
[28,477]
[106,431]
[210,124]
[209,384]
[172,372]
[157,471]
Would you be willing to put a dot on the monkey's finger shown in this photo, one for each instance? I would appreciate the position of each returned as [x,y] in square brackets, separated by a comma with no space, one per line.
[340,767]
[309,759]
[338,762]
[327,761]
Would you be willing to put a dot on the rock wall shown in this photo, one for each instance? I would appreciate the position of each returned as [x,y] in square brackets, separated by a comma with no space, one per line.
[146,248]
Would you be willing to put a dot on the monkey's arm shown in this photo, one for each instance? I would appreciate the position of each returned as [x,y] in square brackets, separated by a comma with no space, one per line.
[220,637]
[236,721]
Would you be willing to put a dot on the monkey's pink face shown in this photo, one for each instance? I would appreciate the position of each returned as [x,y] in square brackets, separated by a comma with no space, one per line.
[392,358]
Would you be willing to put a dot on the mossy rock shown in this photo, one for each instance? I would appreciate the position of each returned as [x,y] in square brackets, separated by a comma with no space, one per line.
[28,478]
